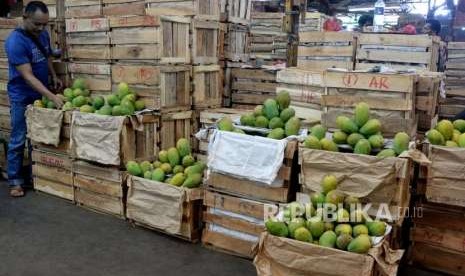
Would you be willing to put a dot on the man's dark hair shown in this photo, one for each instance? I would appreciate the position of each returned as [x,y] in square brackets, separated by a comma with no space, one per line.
[365,19]
[34,6]
[435,25]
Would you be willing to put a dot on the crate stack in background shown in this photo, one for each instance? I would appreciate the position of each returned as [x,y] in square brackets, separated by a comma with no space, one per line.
[312,22]
[235,36]
[455,81]
[400,52]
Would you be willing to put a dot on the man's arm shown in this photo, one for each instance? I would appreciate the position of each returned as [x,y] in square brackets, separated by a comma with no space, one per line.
[57,84]
[26,72]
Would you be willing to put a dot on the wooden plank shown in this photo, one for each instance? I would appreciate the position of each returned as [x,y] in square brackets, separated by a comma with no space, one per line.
[253,74]
[87,25]
[325,37]
[334,51]
[396,39]
[254,86]
[233,223]
[100,186]
[133,74]
[54,174]
[135,35]
[234,204]
[438,259]
[88,38]
[107,173]
[134,21]
[394,56]
[89,68]
[84,11]
[368,81]
[89,52]
[374,103]
[133,8]
[452,240]
[322,65]
[99,202]
[229,244]
[54,188]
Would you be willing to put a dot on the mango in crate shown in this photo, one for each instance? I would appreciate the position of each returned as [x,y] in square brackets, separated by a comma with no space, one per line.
[328,239]
[346,124]
[311,142]
[360,244]
[277,133]
[343,241]
[292,126]
[270,109]
[276,122]
[459,125]
[401,142]
[225,124]
[79,84]
[318,131]
[294,224]
[371,127]
[286,114]
[302,234]
[193,180]
[248,120]
[446,128]
[283,99]
[183,147]
[362,114]
[133,168]
[277,228]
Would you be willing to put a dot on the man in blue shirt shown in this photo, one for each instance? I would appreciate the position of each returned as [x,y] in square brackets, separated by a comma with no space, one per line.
[28,50]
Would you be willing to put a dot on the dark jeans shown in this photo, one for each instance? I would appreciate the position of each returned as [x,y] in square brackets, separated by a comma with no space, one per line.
[16,174]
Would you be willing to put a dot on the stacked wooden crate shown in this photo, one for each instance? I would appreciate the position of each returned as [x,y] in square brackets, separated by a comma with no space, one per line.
[268,41]
[398,51]
[438,223]
[323,50]
[235,208]
[428,96]
[83,8]
[312,22]
[455,81]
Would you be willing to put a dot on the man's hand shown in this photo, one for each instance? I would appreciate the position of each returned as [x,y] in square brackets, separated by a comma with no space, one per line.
[57,84]
[58,101]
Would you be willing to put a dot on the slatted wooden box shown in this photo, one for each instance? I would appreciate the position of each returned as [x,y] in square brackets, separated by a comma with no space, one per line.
[437,238]
[83,8]
[252,190]
[398,51]
[306,89]
[205,42]
[100,188]
[236,43]
[312,22]
[236,11]
[200,9]
[323,50]
[4,99]
[53,174]
[174,126]
[96,75]
[123,7]
[251,87]
[207,92]
[88,39]
[268,41]
[61,69]
[428,95]
[391,98]
[5,121]
[232,224]
[150,39]
[163,88]
[64,147]
[138,211]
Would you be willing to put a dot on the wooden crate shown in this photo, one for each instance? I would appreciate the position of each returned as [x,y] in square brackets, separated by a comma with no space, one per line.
[437,238]
[252,190]
[96,75]
[306,89]
[174,126]
[223,29]
[427,99]
[53,174]
[207,92]
[199,9]
[88,39]
[236,11]
[5,120]
[232,224]
[268,41]
[64,147]
[400,51]
[4,99]
[123,7]
[251,87]
[150,39]
[163,88]
[61,69]
[138,213]
[389,179]
[445,182]
[323,50]
[100,188]
[312,22]
[236,43]
[391,98]
[83,8]
[204,42]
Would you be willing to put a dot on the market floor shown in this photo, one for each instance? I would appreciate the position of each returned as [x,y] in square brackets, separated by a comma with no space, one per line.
[43,235]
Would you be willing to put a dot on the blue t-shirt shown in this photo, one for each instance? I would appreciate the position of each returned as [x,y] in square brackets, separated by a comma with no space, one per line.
[21,49]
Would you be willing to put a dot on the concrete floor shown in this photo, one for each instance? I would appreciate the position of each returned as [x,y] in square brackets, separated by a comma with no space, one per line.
[43,235]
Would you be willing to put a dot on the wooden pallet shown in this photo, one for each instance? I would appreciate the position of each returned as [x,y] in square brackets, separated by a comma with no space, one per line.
[204,42]
[199,9]
[323,50]
[100,188]
[88,39]
[150,39]
[163,88]
[252,86]
[402,51]
[236,215]
[190,229]
[236,43]
[390,97]
[83,8]
[207,92]
[250,189]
